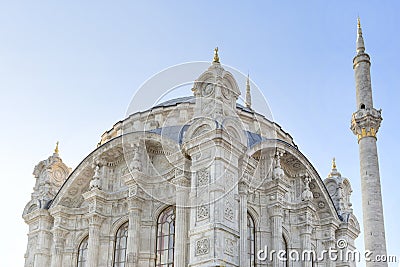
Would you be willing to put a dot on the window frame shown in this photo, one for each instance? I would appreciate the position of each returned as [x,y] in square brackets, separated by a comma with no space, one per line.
[168,213]
[251,240]
[117,240]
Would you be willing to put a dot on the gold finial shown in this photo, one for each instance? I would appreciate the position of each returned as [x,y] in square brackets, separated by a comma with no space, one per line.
[216,57]
[56,149]
[333,163]
[358,22]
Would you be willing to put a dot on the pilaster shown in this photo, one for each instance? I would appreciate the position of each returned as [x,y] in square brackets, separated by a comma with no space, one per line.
[59,235]
[96,199]
[307,212]
[135,203]
[276,191]
[243,248]
[182,184]
[40,238]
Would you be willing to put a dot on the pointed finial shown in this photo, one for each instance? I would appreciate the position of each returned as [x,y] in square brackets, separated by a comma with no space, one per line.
[216,57]
[333,163]
[56,149]
[360,47]
[247,100]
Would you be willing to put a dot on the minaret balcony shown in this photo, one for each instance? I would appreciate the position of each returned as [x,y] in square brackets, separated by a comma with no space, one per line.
[366,122]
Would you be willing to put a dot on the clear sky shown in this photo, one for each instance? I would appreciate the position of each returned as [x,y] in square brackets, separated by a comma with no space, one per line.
[68,70]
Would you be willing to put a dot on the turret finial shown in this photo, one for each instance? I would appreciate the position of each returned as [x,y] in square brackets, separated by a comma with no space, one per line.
[247,100]
[216,57]
[360,47]
[333,163]
[56,149]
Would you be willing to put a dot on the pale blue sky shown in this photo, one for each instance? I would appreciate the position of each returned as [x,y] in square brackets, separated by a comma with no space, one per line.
[68,70]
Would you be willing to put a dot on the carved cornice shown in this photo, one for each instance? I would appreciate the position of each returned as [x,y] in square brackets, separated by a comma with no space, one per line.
[36,215]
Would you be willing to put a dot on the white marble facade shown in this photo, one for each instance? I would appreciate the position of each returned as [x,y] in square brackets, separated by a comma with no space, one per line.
[196,181]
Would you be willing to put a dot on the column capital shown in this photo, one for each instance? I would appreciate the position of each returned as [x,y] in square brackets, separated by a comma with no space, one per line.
[276,210]
[277,190]
[135,203]
[59,233]
[96,201]
[306,229]
[243,187]
[95,219]
[182,182]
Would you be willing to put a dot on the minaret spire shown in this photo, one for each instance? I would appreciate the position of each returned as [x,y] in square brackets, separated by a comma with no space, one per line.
[360,40]
[247,100]
[365,125]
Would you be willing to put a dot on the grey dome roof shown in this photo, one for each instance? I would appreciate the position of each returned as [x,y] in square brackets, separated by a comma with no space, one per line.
[191,99]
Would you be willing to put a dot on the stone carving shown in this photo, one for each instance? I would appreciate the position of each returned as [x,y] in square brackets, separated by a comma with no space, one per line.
[203,212]
[339,189]
[228,211]
[307,194]
[95,182]
[202,246]
[278,171]
[230,245]
[136,163]
[203,177]
[133,190]
[50,174]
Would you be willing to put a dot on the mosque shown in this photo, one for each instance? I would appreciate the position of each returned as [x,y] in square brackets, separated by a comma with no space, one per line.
[205,181]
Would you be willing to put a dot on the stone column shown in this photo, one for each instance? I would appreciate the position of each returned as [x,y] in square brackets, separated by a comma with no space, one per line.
[329,245]
[305,236]
[277,190]
[181,218]
[276,229]
[95,198]
[59,235]
[95,221]
[243,191]
[41,245]
[135,210]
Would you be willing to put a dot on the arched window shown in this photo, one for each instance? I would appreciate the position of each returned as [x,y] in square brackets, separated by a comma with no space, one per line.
[82,252]
[165,238]
[121,240]
[251,240]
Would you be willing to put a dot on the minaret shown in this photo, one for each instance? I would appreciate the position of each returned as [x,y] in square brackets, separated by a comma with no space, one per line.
[365,124]
[247,100]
